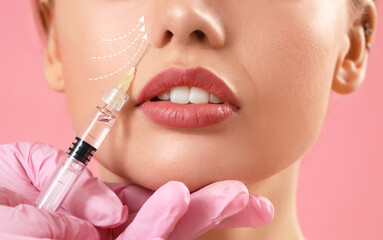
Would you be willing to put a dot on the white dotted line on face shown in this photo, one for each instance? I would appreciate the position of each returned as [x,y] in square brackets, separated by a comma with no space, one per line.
[123,67]
[144,38]
[142,30]
[126,35]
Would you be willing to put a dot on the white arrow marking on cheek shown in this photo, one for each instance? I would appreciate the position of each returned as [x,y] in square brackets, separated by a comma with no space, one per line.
[123,50]
[144,38]
[140,21]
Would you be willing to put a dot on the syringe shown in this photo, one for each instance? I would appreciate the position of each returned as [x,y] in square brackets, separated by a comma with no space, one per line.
[87,142]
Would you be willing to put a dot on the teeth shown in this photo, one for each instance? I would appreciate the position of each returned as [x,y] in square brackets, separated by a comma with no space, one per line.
[164,96]
[198,95]
[214,99]
[186,94]
[180,95]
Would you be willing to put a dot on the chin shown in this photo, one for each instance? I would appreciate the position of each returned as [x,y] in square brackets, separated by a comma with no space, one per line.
[196,167]
[192,182]
[195,175]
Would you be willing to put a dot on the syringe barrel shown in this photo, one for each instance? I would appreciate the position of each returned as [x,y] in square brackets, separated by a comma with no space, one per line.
[78,156]
[97,127]
[60,184]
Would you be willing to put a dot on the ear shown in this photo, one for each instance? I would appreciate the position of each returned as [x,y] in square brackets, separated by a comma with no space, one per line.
[352,62]
[52,61]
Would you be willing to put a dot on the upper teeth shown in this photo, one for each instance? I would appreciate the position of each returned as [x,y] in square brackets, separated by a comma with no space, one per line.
[185,94]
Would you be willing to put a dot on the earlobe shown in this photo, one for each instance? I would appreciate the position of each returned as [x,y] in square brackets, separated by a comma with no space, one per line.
[53,65]
[350,70]
[352,61]
[349,76]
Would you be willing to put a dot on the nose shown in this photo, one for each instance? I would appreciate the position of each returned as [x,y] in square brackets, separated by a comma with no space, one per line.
[186,22]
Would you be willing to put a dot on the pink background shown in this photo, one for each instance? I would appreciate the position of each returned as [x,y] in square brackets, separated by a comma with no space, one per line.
[340,192]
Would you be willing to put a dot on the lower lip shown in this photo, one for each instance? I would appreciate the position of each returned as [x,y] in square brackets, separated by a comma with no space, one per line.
[188,115]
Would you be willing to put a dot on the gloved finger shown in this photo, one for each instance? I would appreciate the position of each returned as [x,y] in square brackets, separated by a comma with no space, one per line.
[30,221]
[91,200]
[259,211]
[12,199]
[131,195]
[13,174]
[8,236]
[209,206]
[160,213]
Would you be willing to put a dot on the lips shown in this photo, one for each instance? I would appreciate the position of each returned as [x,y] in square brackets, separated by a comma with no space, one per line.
[190,115]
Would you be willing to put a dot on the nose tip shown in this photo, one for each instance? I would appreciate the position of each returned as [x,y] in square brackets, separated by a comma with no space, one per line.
[186,22]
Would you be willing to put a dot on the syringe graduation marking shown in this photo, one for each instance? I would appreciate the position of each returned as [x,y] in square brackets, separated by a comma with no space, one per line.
[144,38]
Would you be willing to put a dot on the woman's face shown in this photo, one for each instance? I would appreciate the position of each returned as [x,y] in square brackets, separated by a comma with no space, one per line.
[277,56]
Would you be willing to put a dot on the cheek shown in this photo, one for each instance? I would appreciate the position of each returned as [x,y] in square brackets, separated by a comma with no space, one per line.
[291,70]
[92,58]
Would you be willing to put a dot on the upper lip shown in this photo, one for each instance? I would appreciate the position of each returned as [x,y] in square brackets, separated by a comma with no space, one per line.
[193,77]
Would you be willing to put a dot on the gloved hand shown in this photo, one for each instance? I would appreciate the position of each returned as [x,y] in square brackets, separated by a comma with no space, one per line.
[173,213]
[170,213]
[24,169]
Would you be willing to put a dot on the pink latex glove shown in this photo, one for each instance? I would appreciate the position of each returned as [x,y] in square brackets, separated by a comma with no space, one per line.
[24,169]
[170,213]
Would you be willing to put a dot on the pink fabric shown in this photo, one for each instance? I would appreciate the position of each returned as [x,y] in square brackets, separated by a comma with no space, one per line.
[95,210]
[340,179]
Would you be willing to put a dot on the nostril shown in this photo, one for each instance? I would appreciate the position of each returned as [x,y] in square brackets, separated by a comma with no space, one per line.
[201,35]
[169,34]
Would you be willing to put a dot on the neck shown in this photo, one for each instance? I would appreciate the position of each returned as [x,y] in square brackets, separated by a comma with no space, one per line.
[280,189]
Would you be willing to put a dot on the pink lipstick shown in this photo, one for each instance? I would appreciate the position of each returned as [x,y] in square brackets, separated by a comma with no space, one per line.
[187,115]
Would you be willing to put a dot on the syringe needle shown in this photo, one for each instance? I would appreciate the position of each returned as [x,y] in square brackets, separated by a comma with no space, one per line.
[125,82]
[143,54]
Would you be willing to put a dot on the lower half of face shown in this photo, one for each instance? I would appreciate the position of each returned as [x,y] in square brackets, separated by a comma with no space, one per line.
[277,58]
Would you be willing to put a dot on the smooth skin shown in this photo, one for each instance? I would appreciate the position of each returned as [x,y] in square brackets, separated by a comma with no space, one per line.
[281,58]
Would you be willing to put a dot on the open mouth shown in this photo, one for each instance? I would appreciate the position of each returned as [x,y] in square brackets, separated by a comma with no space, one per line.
[187,98]
[188,95]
